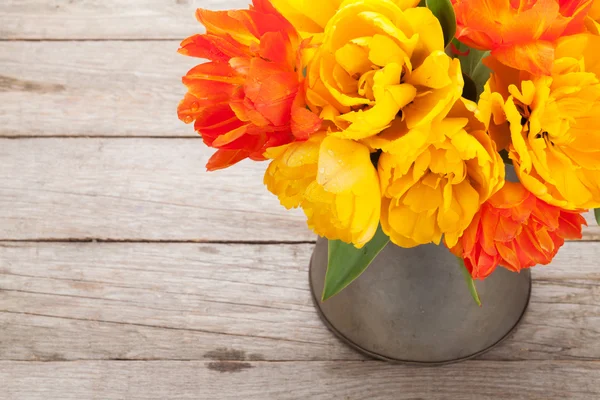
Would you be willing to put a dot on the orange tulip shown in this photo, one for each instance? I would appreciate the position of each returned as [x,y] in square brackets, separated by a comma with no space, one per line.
[519,33]
[593,21]
[516,230]
[249,97]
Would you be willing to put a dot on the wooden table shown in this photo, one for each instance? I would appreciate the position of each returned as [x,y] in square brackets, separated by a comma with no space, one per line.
[128,272]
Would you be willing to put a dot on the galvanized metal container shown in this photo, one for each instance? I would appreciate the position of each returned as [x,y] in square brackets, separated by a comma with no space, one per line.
[413,306]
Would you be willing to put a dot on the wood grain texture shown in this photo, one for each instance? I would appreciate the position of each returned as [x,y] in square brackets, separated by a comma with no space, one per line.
[220,320]
[92,88]
[108,19]
[137,190]
[261,380]
[205,298]
[157,301]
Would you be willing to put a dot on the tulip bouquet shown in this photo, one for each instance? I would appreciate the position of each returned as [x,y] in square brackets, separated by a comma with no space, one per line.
[393,120]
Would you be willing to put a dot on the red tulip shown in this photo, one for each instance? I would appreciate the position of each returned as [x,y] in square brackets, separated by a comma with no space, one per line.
[249,97]
[516,230]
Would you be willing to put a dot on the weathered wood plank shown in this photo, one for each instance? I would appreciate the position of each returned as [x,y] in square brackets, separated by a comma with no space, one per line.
[109,19]
[135,301]
[92,88]
[147,380]
[251,294]
[138,189]
[135,189]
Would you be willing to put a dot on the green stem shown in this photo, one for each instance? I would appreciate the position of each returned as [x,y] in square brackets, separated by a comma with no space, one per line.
[469,281]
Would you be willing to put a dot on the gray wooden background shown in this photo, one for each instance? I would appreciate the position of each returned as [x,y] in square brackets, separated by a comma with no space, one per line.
[127,272]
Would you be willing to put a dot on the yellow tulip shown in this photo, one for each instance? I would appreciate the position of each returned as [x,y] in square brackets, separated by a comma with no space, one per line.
[434,187]
[334,182]
[312,16]
[378,62]
[293,169]
[550,124]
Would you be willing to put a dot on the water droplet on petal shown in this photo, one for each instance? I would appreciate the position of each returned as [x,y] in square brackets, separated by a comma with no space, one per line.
[195,106]
[321,170]
[187,119]
[331,152]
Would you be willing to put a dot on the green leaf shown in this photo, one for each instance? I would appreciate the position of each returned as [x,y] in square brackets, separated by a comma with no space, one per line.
[472,64]
[345,262]
[597,214]
[470,282]
[444,12]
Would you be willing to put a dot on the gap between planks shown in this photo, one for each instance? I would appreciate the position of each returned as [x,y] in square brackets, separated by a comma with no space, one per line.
[258,362]
[58,136]
[191,241]
[165,39]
